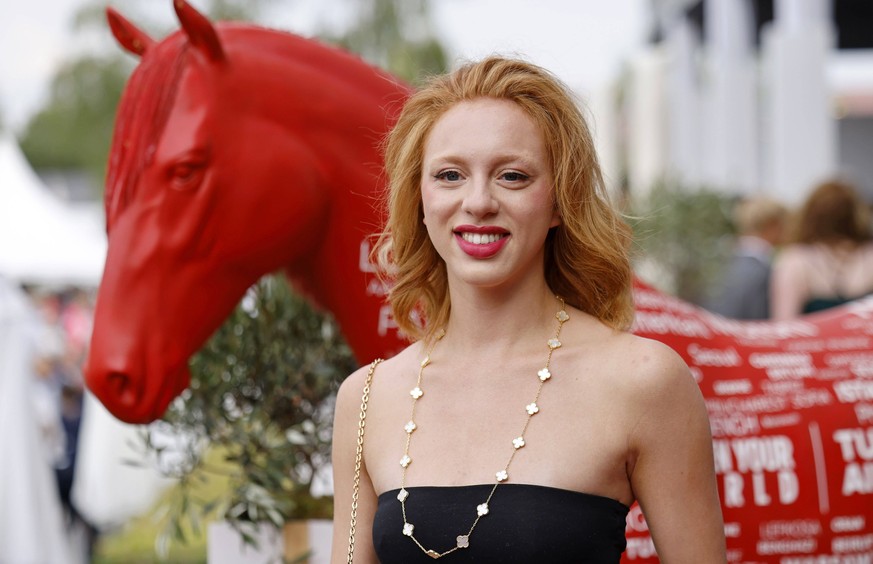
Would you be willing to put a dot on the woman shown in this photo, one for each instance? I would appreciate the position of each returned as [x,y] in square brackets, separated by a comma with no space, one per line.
[523,421]
[830,259]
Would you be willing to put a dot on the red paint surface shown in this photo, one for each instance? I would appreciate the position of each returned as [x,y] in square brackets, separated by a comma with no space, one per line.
[239,151]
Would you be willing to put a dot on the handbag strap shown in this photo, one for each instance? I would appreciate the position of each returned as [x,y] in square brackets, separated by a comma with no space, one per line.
[359,453]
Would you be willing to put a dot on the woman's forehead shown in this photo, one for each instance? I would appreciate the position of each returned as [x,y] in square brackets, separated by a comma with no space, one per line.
[484,125]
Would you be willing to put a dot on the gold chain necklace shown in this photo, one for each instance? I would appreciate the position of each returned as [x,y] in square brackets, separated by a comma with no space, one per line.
[543,375]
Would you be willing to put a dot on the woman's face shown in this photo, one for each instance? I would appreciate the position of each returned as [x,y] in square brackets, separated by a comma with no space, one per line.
[487,193]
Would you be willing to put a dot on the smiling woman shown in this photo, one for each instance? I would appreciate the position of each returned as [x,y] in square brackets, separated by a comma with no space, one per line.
[525,420]
[486,159]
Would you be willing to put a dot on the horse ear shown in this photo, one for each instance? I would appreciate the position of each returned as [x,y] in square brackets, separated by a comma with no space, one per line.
[130,37]
[199,31]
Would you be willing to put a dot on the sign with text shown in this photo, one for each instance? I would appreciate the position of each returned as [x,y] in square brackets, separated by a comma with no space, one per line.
[791,410]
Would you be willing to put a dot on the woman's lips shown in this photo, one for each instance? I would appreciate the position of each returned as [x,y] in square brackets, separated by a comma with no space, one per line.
[481,242]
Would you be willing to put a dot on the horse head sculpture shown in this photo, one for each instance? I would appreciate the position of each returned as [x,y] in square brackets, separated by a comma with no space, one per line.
[238,151]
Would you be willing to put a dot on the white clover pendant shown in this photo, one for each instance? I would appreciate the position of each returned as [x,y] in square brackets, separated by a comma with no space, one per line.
[518,442]
[416,392]
[463,541]
[482,509]
[562,316]
[544,374]
[402,495]
[405,461]
[502,476]
[410,427]
[407,529]
[532,408]
[554,344]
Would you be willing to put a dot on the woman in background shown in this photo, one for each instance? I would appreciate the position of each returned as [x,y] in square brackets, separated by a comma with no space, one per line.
[829,260]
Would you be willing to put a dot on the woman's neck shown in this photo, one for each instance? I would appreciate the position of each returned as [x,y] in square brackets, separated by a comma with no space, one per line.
[500,320]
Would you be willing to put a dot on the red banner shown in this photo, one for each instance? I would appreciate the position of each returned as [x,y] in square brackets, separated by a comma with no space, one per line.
[791,409]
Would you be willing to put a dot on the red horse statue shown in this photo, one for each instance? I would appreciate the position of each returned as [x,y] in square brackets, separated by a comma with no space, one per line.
[239,151]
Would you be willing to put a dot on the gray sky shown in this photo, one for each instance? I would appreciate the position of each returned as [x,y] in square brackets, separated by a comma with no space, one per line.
[582,41]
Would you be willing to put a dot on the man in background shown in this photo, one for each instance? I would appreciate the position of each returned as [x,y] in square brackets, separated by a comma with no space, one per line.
[745,285]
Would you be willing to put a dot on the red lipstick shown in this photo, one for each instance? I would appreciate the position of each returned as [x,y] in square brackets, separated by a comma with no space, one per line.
[487,245]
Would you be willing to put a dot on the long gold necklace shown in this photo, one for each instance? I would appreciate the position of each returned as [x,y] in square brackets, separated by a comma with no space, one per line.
[543,375]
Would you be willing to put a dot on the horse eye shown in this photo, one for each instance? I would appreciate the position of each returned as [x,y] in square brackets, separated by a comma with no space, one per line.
[186,175]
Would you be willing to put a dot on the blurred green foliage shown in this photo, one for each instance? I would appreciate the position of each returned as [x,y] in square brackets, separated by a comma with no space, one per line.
[395,36]
[262,393]
[684,238]
[73,130]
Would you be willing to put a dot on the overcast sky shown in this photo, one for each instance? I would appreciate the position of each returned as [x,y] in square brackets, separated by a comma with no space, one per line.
[582,41]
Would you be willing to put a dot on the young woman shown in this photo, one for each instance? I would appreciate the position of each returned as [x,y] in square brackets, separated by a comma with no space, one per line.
[524,420]
[830,259]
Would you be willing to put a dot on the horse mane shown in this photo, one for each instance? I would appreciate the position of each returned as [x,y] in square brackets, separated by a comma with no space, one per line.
[140,121]
[148,99]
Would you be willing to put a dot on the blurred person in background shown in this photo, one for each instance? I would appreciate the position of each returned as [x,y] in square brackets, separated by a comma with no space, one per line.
[829,260]
[744,291]
[58,390]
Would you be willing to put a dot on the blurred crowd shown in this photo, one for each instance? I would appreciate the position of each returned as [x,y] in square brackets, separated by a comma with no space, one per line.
[788,263]
[63,332]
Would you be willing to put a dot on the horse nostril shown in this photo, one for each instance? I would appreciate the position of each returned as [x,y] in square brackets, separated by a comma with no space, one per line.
[121,388]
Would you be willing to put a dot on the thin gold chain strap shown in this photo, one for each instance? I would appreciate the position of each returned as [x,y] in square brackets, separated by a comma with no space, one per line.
[359,453]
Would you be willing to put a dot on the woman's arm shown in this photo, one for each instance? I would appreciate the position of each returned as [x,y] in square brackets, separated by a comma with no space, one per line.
[345,442]
[673,475]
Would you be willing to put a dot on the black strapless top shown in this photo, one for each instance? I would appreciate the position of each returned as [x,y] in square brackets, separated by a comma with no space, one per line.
[525,524]
[820,304]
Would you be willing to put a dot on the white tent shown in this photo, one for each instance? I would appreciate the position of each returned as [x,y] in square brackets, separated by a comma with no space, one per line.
[31,523]
[45,241]
[41,238]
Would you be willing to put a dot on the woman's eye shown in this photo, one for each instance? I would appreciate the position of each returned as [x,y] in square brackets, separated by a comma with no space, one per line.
[513,176]
[449,175]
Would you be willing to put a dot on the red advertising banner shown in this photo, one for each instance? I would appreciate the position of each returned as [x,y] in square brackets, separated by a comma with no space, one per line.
[791,409]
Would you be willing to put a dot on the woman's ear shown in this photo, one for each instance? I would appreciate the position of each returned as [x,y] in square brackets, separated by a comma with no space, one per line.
[556,218]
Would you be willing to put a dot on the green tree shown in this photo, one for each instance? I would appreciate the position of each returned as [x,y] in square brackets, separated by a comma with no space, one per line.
[73,130]
[683,234]
[394,35]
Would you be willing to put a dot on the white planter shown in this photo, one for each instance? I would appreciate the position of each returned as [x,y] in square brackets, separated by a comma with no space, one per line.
[226,546]
[313,536]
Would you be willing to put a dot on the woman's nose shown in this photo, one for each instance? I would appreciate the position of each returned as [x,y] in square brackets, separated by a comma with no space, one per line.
[479,199]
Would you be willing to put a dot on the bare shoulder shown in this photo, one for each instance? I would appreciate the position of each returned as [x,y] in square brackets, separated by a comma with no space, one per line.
[352,388]
[647,369]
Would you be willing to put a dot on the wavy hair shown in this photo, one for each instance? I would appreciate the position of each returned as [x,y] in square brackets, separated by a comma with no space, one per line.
[833,212]
[587,259]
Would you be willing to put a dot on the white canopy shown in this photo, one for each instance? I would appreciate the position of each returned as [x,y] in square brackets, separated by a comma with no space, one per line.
[31,522]
[42,240]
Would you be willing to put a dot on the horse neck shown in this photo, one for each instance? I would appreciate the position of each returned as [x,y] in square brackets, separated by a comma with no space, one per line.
[357,106]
